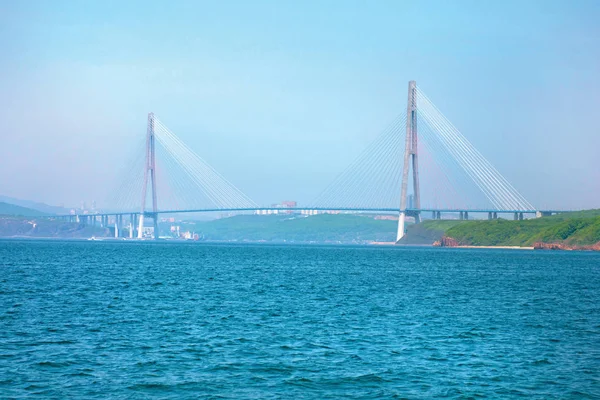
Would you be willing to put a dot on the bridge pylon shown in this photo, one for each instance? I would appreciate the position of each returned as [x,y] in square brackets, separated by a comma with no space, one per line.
[149,172]
[411,160]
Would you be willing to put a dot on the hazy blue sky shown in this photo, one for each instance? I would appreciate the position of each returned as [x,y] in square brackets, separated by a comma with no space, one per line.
[280,96]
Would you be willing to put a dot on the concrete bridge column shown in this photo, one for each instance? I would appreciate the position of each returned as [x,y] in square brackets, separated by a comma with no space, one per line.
[131,225]
[400,232]
[461,216]
[439,215]
[516,217]
[495,215]
[134,224]
[155,221]
[433,215]
[140,231]
[466,215]
[520,216]
[490,216]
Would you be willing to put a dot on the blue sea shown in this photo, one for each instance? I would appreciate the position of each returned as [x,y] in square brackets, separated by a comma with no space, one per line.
[136,320]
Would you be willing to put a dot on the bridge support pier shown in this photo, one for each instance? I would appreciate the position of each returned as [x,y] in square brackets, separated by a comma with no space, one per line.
[140,231]
[155,220]
[132,225]
[518,216]
[401,221]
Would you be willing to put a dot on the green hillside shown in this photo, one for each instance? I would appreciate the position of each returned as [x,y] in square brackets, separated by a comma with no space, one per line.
[343,228]
[11,209]
[15,226]
[427,231]
[577,228]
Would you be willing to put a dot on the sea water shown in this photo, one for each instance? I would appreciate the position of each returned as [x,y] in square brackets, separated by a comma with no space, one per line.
[195,320]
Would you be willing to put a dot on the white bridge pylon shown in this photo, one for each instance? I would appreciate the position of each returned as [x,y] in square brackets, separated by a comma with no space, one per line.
[451,148]
[209,187]
[391,173]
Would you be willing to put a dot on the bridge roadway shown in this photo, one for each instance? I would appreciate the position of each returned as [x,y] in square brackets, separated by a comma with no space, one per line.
[436,212]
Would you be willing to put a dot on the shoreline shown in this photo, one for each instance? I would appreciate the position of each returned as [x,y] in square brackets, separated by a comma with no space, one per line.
[497,247]
[553,247]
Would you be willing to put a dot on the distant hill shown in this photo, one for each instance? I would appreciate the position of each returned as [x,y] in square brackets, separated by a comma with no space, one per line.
[47,227]
[343,228]
[14,210]
[44,208]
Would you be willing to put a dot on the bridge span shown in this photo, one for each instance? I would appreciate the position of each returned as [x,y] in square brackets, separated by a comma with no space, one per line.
[419,166]
[133,220]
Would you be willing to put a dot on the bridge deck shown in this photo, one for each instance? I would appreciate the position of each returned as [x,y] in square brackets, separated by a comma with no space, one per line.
[323,209]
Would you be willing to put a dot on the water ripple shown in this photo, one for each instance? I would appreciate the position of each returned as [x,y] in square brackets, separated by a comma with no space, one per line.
[162,320]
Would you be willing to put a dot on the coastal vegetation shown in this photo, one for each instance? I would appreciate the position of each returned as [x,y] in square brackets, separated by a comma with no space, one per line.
[580,228]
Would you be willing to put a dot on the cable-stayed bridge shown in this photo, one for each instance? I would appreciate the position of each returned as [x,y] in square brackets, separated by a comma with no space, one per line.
[421,163]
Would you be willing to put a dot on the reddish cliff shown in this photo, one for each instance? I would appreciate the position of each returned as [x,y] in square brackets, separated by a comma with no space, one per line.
[563,246]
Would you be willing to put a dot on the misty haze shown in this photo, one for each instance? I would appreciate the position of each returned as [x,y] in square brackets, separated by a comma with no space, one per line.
[266,199]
